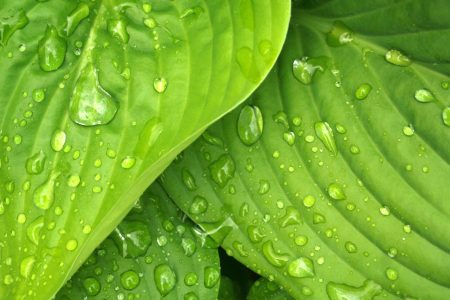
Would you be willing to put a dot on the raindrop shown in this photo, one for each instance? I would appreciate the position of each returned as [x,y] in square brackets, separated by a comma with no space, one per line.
[336,192]
[363,91]
[51,50]
[198,206]
[338,291]
[71,245]
[129,280]
[34,229]
[26,266]
[424,96]
[38,95]
[128,162]
[90,104]
[160,85]
[222,170]
[391,274]
[305,68]
[301,267]
[350,247]
[58,140]
[118,29]
[35,164]
[339,35]
[397,58]
[446,116]
[250,125]
[211,277]
[188,180]
[80,13]
[91,286]
[325,133]
[272,256]
[291,217]
[309,201]
[11,24]
[165,279]
[132,238]
[44,195]
[190,279]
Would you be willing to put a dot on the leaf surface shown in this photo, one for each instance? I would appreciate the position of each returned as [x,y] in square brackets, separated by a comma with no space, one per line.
[97,98]
[154,253]
[333,179]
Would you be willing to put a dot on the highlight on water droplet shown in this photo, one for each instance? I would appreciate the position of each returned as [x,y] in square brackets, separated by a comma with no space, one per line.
[35,164]
[397,58]
[408,130]
[38,95]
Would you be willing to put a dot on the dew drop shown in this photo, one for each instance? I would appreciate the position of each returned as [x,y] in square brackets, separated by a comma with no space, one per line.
[10,24]
[34,229]
[51,50]
[397,58]
[325,133]
[336,192]
[305,68]
[309,201]
[339,35]
[129,280]
[424,96]
[250,125]
[35,164]
[246,62]
[90,104]
[44,195]
[391,274]
[128,162]
[273,257]
[38,95]
[446,116]
[339,291]
[160,85]
[80,13]
[301,267]
[26,266]
[71,245]
[350,247]
[132,238]
[190,279]
[222,170]
[117,28]
[198,206]
[211,277]
[91,286]
[58,140]
[363,91]
[188,180]
[165,279]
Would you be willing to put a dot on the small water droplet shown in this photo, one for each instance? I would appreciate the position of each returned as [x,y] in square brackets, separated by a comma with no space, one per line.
[71,245]
[190,279]
[291,217]
[255,234]
[129,280]
[26,266]
[309,201]
[118,29]
[38,95]
[35,164]
[250,125]
[160,85]
[44,195]
[222,170]
[424,96]
[188,180]
[385,211]
[91,286]
[350,247]
[305,68]
[128,162]
[325,133]
[339,35]
[363,91]
[336,192]
[34,229]
[51,50]
[148,136]
[58,140]
[132,238]
[211,277]
[391,274]
[198,206]
[10,24]
[397,58]
[446,116]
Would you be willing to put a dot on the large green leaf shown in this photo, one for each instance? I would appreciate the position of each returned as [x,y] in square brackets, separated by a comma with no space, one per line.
[345,194]
[154,253]
[97,97]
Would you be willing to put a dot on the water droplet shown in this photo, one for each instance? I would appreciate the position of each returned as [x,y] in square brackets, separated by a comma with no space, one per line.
[160,85]
[91,286]
[255,234]
[363,91]
[38,95]
[8,279]
[265,48]
[318,218]
[325,133]
[129,280]
[392,252]
[44,195]
[289,138]
[309,201]
[211,277]
[34,229]
[350,247]
[339,291]
[191,12]
[26,266]
[339,35]
[424,96]
[132,238]
[90,104]
[148,136]
[87,229]
[301,240]
[282,119]
[305,68]
[264,187]
[222,170]
[128,162]
[80,13]
[21,219]
[198,206]
[51,50]
[118,29]
[407,228]
[190,279]
[188,180]
[35,164]
[336,192]
[147,7]
[385,211]
[391,274]
[189,246]
[301,267]
[58,140]
[446,116]
[272,256]
[246,62]
[150,23]
[250,125]
[10,24]
[291,217]
[397,58]
[71,245]
[165,279]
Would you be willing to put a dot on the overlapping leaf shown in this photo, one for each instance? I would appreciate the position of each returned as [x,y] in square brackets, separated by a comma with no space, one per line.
[333,179]
[97,98]
[154,253]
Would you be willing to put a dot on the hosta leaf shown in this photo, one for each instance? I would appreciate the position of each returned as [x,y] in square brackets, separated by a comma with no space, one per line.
[97,98]
[345,193]
[154,253]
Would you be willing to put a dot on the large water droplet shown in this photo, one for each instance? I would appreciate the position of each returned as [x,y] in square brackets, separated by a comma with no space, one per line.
[363,91]
[58,140]
[222,170]
[325,133]
[301,267]
[291,217]
[44,195]
[212,276]
[190,279]
[340,291]
[129,280]
[397,58]
[35,164]
[336,192]
[118,29]
[26,266]
[90,104]
[80,13]
[272,256]
[198,206]
[165,279]
[305,68]
[250,125]
[424,96]
[11,24]
[51,50]
[132,238]
[339,35]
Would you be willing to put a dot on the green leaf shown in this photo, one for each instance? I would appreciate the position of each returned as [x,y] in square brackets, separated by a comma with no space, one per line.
[97,98]
[345,194]
[154,253]
[264,289]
